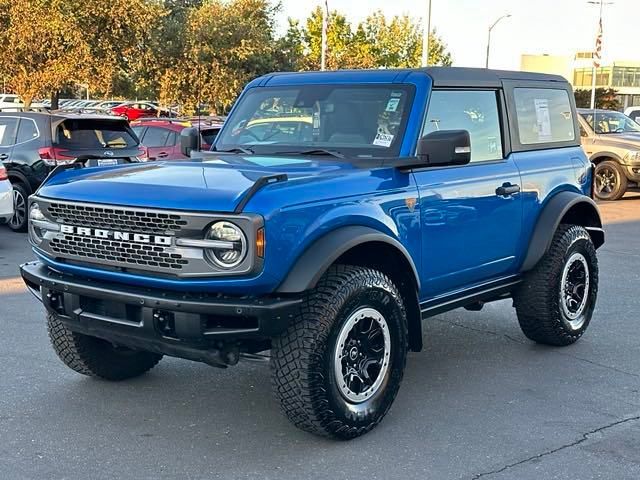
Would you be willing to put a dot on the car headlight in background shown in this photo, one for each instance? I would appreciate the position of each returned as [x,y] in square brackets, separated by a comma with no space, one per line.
[232,247]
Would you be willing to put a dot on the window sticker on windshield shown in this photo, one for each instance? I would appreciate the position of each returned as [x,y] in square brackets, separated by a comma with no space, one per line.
[383,140]
[392,105]
[543,119]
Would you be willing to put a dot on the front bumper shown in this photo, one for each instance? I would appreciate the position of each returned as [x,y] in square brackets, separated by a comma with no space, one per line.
[190,326]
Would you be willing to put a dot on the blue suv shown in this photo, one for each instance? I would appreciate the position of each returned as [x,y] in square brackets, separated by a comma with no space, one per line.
[334,213]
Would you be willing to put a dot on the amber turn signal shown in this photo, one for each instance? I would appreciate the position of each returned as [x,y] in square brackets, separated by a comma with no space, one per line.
[260,243]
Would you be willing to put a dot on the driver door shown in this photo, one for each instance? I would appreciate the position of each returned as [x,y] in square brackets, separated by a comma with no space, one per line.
[470,231]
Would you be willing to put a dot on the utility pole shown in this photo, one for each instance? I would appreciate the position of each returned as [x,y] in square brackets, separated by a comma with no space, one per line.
[486,63]
[597,56]
[425,36]
[325,27]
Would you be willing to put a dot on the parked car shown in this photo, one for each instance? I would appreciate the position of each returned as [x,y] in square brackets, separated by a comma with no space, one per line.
[32,144]
[322,248]
[633,113]
[613,146]
[13,103]
[135,110]
[6,196]
[160,138]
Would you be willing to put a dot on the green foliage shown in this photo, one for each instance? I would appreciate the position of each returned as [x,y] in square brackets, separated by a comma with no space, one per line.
[605,98]
[187,52]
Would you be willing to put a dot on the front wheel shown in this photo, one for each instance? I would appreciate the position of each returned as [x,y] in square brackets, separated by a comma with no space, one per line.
[95,357]
[555,303]
[338,367]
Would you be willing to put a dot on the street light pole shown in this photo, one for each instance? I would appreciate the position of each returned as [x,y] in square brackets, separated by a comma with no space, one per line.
[325,27]
[486,64]
[425,36]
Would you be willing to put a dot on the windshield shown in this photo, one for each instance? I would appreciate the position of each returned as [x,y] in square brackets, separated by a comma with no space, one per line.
[355,120]
[611,122]
[94,134]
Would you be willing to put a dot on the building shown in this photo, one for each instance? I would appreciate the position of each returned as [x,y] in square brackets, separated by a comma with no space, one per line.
[624,77]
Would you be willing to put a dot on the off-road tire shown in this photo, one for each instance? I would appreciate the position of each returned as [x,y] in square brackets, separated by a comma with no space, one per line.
[20,220]
[95,357]
[302,357]
[620,181]
[538,299]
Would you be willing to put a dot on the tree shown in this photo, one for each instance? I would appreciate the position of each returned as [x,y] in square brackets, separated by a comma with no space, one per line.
[51,44]
[375,43]
[606,98]
[228,43]
[119,35]
[41,50]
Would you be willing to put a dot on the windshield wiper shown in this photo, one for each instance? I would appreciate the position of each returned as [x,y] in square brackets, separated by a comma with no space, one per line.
[244,150]
[314,151]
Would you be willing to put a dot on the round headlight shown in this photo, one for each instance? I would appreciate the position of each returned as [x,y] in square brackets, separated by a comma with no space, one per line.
[36,214]
[233,244]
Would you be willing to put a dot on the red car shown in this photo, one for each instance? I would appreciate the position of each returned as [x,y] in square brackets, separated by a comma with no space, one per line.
[135,110]
[160,138]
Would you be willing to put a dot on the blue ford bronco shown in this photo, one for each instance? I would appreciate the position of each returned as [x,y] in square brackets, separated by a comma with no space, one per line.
[334,213]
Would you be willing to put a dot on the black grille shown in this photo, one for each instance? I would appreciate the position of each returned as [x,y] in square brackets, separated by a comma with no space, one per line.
[116,219]
[127,253]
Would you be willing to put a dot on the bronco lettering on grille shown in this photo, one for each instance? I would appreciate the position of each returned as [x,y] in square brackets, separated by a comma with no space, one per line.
[115,235]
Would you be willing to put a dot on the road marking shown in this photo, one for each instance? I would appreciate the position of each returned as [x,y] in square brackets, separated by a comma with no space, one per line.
[12,285]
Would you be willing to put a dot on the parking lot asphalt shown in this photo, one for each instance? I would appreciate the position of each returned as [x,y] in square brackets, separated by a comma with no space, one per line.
[480,402]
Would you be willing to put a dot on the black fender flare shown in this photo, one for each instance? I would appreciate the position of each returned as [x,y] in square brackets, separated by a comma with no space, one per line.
[323,252]
[550,219]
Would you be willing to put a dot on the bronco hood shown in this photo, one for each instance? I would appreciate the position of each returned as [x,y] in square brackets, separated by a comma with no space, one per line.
[214,184]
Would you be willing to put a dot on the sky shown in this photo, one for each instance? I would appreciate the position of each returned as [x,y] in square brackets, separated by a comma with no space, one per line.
[555,27]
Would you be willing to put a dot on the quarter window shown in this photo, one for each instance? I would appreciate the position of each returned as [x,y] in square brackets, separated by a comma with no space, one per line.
[543,116]
[475,111]
[156,137]
[26,131]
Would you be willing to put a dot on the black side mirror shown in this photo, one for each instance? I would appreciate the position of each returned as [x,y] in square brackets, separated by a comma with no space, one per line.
[445,147]
[189,141]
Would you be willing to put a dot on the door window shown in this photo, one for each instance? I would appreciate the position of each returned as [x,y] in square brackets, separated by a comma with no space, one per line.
[473,110]
[8,127]
[27,130]
[156,137]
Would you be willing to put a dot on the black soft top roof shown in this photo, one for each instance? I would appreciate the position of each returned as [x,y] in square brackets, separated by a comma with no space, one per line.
[470,77]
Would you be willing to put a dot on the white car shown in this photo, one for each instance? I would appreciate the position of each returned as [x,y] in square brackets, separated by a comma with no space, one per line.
[6,196]
[13,103]
[633,113]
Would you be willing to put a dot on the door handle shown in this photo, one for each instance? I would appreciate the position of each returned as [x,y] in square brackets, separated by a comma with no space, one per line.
[162,155]
[507,189]
[3,156]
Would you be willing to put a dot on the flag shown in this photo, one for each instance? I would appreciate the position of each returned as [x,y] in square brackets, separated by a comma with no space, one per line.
[597,55]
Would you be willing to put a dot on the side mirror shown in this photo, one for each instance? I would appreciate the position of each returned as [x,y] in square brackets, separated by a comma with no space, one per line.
[189,141]
[445,147]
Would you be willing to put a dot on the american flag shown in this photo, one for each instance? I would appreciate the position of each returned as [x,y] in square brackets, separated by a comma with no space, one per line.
[597,55]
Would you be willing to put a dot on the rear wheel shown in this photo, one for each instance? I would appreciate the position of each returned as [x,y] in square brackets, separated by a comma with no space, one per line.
[18,223]
[555,303]
[610,181]
[338,367]
[95,357]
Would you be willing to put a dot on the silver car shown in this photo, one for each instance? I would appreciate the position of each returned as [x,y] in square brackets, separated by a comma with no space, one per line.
[613,146]
[6,196]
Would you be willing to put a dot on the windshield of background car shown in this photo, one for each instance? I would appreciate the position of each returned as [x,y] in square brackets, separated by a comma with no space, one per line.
[612,122]
[355,120]
[96,134]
